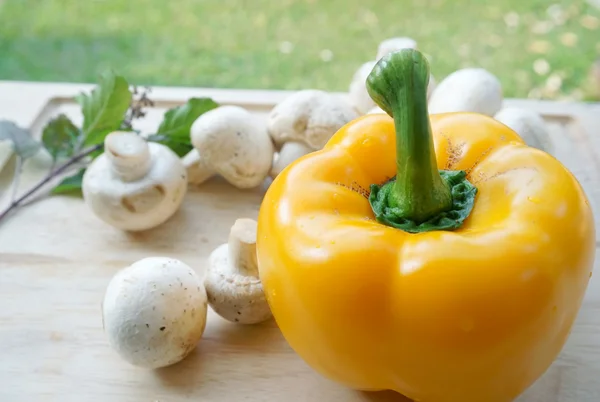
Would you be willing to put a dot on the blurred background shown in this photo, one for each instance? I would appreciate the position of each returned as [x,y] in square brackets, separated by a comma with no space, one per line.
[538,49]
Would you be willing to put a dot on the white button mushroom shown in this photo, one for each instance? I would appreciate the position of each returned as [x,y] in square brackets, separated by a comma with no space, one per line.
[232,282]
[154,312]
[528,124]
[289,152]
[134,185]
[233,143]
[431,86]
[468,90]
[357,93]
[376,110]
[393,44]
[304,122]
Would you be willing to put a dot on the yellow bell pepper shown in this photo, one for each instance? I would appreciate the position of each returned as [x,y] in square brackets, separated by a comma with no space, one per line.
[437,256]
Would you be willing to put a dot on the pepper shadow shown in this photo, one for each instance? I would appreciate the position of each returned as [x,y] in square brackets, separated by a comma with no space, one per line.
[383,396]
[253,338]
[225,348]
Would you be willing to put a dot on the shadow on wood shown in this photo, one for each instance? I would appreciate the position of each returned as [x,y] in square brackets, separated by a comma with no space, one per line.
[383,396]
[186,374]
[250,338]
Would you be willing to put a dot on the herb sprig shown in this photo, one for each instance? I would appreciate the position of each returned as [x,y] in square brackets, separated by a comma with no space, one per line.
[111,105]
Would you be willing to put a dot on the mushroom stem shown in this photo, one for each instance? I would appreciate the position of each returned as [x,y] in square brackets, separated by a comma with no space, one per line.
[290,151]
[129,155]
[197,171]
[232,279]
[242,247]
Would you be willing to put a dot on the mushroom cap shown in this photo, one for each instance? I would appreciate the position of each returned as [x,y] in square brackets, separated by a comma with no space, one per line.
[392,44]
[309,116]
[376,110]
[358,94]
[234,296]
[235,144]
[528,124]
[431,86]
[467,90]
[289,152]
[154,312]
[140,204]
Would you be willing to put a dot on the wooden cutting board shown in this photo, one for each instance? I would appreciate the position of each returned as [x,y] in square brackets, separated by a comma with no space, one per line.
[56,259]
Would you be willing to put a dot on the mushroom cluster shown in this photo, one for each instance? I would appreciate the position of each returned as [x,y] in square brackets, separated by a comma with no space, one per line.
[304,122]
[233,143]
[479,91]
[243,149]
[154,311]
[137,185]
[472,89]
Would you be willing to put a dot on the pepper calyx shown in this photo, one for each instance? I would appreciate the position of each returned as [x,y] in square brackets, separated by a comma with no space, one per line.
[463,199]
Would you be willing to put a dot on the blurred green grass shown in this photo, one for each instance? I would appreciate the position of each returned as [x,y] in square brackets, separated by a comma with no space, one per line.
[294,44]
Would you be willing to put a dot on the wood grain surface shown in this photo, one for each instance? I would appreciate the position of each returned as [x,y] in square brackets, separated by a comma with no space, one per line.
[56,259]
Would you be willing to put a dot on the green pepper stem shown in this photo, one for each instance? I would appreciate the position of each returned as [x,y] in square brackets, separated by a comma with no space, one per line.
[398,84]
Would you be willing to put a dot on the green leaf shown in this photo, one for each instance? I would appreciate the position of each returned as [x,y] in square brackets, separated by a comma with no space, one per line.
[104,108]
[70,184]
[178,120]
[60,137]
[23,143]
[174,130]
[180,147]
